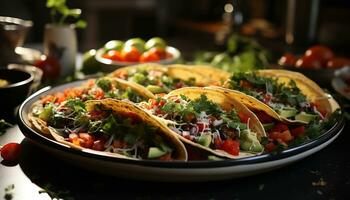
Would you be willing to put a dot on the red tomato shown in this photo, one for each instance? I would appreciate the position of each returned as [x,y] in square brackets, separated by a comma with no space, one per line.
[10,152]
[166,157]
[159,52]
[287,59]
[338,62]
[285,136]
[149,57]
[263,117]
[87,140]
[244,118]
[122,74]
[201,126]
[280,127]
[322,53]
[130,54]
[98,145]
[189,117]
[113,55]
[309,62]
[231,147]
[270,147]
[297,131]
[50,66]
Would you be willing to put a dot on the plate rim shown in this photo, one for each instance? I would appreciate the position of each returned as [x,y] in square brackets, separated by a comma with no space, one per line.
[32,134]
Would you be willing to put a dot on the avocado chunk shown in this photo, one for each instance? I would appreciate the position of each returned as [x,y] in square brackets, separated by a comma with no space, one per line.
[155,89]
[46,113]
[212,157]
[204,139]
[155,152]
[287,113]
[249,141]
[305,117]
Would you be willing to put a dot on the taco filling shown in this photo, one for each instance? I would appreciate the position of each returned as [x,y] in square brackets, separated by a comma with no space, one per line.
[281,135]
[104,129]
[155,80]
[205,123]
[286,99]
[96,89]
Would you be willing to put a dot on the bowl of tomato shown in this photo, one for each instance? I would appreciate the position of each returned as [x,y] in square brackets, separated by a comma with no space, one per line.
[117,53]
[318,63]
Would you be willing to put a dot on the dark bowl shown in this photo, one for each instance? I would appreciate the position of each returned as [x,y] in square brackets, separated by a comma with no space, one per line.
[16,91]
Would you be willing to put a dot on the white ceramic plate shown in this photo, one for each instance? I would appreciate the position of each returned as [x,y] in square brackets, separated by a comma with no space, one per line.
[172,171]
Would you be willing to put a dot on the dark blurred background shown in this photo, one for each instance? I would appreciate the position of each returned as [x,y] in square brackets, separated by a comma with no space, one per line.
[196,24]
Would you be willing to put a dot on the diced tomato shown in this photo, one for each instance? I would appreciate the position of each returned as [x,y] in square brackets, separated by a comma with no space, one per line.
[94,114]
[87,140]
[218,143]
[47,99]
[166,157]
[297,131]
[270,147]
[280,127]
[60,97]
[118,144]
[134,117]
[263,117]
[243,117]
[189,117]
[98,93]
[246,84]
[231,147]
[122,75]
[201,126]
[188,137]
[98,145]
[267,98]
[179,85]
[284,136]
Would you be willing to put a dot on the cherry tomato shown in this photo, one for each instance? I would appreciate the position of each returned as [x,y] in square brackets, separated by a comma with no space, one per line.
[10,152]
[322,53]
[149,57]
[231,147]
[287,59]
[160,52]
[130,54]
[338,62]
[310,62]
[113,55]
[50,66]
[297,131]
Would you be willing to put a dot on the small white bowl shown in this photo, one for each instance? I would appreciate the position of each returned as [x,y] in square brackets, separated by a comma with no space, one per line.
[110,65]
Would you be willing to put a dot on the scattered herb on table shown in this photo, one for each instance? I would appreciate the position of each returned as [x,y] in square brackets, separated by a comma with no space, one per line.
[9,192]
[3,126]
[56,193]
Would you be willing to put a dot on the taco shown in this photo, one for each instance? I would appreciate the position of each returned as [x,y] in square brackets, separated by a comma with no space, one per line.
[160,79]
[105,87]
[284,95]
[216,75]
[209,120]
[110,127]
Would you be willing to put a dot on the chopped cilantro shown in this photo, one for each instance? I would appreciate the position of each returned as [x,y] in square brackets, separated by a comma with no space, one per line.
[104,84]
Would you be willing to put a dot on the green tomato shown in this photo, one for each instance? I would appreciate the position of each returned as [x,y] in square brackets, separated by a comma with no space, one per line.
[90,64]
[138,43]
[114,45]
[155,42]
